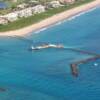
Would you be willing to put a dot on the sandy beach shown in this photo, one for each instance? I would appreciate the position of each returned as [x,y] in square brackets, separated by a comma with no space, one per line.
[52,20]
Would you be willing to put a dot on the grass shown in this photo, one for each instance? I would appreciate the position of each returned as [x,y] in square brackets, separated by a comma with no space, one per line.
[23,22]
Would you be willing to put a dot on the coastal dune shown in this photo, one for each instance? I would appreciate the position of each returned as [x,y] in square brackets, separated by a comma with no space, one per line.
[52,20]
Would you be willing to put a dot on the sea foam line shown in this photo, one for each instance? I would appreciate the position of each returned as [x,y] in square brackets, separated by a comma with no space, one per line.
[81,13]
[69,19]
[74,16]
[42,29]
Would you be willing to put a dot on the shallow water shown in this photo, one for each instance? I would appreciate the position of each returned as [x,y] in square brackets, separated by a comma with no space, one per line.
[45,74]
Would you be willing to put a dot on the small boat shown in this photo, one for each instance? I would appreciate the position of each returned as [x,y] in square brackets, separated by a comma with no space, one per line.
[44,46]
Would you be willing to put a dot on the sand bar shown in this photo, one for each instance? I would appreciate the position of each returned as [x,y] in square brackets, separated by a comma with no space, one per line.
[52,20]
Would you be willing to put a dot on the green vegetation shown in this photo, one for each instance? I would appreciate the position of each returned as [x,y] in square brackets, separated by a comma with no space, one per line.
[23,22]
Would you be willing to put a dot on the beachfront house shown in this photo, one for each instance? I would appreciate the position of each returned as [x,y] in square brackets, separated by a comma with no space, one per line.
[25,12]
[33,2]
[22,6]
[3,20]
[31,11]
[22,13]
[13,0]
[53,4]
[67,1]
[38,9]
[11,16]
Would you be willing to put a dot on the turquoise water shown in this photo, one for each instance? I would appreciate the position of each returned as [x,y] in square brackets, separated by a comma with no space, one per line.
[45,74]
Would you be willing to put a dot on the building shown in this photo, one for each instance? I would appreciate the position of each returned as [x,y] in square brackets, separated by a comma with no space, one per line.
[14,0]
[53,4]
[38,9]
[67,1]
[11,16]
[25,12]
[3,20]
[22,13]
[31,11]
[22,6]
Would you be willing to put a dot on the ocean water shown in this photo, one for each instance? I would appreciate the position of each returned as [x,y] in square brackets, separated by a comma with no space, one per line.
[46,74]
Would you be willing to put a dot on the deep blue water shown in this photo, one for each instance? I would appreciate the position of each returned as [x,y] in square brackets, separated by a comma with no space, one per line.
[45,74]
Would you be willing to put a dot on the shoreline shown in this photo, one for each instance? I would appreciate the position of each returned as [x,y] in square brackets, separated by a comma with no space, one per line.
[52,20]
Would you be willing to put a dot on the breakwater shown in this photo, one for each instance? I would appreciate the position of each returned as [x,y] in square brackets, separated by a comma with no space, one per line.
[82,51]
[74,65]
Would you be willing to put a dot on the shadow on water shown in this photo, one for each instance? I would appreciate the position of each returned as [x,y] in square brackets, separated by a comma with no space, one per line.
[2,89]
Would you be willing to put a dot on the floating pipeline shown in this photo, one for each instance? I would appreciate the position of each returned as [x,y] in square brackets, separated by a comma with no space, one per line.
[74,66]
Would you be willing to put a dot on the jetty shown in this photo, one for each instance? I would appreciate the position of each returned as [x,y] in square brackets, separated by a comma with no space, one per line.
[74,65]
[82,51]
[45,46]
[74,69]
